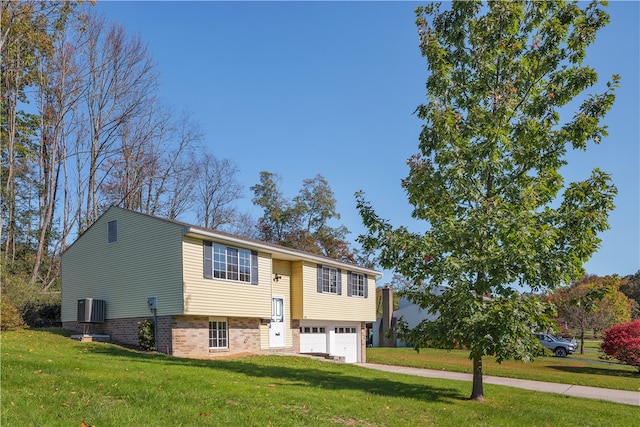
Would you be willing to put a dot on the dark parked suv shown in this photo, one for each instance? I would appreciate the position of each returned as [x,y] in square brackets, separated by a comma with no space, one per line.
[559,347]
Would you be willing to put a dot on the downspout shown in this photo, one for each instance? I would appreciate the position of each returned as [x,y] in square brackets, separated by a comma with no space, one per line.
[155,328]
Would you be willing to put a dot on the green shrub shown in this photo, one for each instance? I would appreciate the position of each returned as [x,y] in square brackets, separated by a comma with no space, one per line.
[37,308]
[43,311]
[622,341]
[146,337]
[10,318]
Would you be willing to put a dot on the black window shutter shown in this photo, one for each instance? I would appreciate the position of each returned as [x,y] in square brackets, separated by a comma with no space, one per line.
[366,286]
[254,267]
[349,290]
[339,280]
[319,278]
[208,260]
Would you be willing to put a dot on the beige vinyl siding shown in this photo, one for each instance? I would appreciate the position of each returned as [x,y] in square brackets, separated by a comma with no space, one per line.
[325,306]
[227,298]
[145,261]
[283,288]
[297,290]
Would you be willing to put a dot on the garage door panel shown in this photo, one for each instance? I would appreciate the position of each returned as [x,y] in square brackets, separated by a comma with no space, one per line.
[346,343]
[313,340]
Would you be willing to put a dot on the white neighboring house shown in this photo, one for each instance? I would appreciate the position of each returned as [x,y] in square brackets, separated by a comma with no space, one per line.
[411,313]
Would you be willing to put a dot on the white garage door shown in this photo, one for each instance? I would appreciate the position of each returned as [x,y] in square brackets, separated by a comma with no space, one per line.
[346,343]
[313,339]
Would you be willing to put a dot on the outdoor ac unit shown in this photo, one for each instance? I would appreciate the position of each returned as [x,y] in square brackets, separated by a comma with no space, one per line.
[91,310]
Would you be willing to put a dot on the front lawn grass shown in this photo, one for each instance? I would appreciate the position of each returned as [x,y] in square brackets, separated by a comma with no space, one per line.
[49,379]
[569,370]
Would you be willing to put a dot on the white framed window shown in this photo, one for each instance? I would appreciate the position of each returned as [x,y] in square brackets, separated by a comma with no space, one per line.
[329,280]
[342,330]
[218,333]
[229,263]
[357,284]
[112,231]
[312,330]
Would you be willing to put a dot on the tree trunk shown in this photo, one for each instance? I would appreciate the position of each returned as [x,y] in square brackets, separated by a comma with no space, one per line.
[477,392]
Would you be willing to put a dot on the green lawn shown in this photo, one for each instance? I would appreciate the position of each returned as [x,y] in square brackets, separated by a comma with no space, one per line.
[573,369]
[51,380]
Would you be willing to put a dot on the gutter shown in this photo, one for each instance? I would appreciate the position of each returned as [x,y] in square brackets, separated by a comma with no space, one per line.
[280,252]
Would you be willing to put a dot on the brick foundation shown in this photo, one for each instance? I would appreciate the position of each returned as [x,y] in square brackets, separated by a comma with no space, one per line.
[188,336]
[363,342]
[181,336]
[191,336]
[125,331]
[295,335]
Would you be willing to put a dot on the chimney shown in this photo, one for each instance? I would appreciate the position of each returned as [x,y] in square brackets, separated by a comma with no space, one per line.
[387,323]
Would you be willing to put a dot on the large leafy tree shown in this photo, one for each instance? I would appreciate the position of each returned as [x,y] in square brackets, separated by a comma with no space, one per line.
[592,302]
[486,179]
[304,222]
[27,38]
[631,288]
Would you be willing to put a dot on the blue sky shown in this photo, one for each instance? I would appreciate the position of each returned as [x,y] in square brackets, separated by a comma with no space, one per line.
[306,88]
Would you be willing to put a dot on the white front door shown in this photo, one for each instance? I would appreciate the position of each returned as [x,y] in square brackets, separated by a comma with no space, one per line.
[276,327]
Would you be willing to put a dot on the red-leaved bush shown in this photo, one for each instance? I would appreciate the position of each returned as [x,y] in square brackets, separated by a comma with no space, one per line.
[623,342]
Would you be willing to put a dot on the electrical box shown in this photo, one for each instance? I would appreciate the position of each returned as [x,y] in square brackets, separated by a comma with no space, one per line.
[153,303]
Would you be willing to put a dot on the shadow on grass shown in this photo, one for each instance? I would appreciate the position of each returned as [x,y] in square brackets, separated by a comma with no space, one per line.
[299,371]
[590,370]
[342,377]
[55,331]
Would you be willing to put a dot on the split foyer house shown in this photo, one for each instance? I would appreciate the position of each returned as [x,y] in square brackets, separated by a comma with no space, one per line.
[212,293]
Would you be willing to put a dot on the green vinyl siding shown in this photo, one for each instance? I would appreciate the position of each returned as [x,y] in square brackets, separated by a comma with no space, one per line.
[145,261]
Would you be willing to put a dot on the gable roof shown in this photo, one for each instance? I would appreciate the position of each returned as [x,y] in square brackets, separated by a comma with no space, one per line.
[277,251]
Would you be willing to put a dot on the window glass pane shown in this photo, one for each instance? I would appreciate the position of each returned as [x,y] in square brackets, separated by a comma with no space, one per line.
[219,261]
[357,284]
[333,284]
[232,264]
[244,265]
[217,334]
[329,280]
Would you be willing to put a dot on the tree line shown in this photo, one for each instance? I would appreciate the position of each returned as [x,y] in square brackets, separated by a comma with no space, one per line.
[83,128]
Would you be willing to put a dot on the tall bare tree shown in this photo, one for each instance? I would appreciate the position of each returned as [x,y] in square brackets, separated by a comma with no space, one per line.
[216,190]
[122,80]
[136,161]
[60,88]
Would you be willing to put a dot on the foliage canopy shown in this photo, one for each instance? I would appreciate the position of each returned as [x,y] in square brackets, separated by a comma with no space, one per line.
[623,342]
[486,179]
